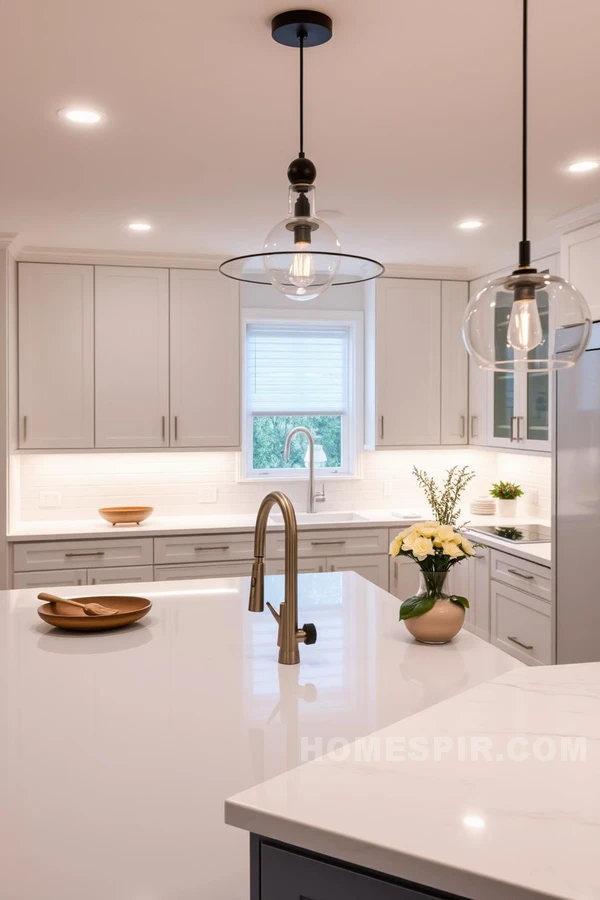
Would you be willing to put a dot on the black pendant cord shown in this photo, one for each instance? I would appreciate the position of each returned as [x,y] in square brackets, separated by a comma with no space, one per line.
[524,246]
[302,38]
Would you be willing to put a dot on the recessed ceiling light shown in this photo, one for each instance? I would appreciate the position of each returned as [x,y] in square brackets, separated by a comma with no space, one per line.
[81,116]
[583,165]
[139,226]
[470,224]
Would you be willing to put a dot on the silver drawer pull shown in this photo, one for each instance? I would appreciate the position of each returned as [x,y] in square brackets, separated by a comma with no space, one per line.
[479,556]
[213,547]
[520,643]
[327,543]
[87,553]
[521,574]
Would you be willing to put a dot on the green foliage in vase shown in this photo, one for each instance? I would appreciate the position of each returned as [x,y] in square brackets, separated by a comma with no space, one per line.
[443,499]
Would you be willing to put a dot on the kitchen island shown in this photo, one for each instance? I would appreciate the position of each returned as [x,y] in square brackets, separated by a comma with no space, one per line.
[118,749]
[493,794]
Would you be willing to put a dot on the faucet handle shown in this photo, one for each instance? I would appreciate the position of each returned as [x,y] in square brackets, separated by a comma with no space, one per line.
[310,633]
[274,613]
[320,497]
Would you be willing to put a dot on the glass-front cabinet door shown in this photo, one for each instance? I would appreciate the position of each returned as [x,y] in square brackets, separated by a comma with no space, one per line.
[518,404]
[504,396]
[536,431]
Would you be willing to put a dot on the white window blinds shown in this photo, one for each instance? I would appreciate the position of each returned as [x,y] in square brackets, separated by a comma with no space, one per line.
[297,368]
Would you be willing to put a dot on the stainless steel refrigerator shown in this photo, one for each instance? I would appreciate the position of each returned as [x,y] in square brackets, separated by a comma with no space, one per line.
[576,524]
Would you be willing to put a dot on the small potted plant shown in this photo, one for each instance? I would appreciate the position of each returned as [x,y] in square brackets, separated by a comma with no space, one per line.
[433,616]
[506,494]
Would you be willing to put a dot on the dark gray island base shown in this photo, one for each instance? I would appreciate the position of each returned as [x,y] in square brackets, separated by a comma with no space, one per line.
[281,872]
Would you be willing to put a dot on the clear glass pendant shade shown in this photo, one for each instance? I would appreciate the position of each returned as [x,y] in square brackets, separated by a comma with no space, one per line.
[527,322]
[301,252]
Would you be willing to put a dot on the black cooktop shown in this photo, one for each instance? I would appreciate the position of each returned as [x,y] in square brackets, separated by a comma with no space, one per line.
[527,534]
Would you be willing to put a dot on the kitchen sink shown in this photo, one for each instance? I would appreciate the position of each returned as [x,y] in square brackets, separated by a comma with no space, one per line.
[325,518]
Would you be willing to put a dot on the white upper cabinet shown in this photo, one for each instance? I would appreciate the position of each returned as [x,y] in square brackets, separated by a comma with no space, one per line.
[132,357]
[405,369]
[56,356]
[580,264]
[205,360]
[455,365]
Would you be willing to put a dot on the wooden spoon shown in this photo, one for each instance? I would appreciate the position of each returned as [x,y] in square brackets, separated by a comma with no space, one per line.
[90,609]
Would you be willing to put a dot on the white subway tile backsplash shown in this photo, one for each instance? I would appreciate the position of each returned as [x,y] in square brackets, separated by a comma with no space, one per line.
[170,482]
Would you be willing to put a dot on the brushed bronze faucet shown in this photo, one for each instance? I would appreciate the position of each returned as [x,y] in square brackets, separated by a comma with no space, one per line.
[289,635]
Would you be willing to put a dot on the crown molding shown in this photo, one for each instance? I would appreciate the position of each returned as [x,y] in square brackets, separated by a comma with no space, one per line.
[576,218]
[9,241]
[85,256]
[437,273]
[500,264]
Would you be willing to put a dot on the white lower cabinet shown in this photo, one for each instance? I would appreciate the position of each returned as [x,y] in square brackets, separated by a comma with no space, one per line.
[521,624]
[373,568]
[404,577]
[55,578]
[471,579]
[202,570]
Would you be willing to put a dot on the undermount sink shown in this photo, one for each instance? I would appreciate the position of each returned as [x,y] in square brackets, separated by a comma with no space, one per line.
[325,518]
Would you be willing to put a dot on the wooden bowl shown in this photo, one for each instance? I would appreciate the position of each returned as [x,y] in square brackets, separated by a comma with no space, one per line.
[126,515]
[127,610]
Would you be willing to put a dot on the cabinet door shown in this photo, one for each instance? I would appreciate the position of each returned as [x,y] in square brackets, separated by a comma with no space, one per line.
[479,593]
[205,360]
[132,357]
[373,568]
[56,578]
[479,380]
[455,366]
[503,386]
[56,356]
[580,264]
[404,577]
[408,362]
[121,575]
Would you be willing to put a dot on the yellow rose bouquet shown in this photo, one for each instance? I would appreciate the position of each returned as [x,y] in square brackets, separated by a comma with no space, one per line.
[435,548]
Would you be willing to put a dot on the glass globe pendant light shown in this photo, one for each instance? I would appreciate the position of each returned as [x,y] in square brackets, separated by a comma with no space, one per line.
[528,321]
[302,256]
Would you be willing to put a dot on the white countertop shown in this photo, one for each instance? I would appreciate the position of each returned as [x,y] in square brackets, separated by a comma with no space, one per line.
[502,829]
[118,750]
[156,526]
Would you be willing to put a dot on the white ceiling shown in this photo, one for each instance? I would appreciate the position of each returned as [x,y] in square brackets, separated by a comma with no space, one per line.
[412,118]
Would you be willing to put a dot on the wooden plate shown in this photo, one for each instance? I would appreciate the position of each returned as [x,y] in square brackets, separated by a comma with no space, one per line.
[126,611]
[126,515]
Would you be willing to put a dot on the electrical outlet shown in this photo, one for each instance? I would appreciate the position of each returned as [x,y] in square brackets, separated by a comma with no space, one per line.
[534,497]
[207,494]
[387,488]
[50,500]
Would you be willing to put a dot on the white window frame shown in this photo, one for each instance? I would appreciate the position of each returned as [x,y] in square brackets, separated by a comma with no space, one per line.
[355,416]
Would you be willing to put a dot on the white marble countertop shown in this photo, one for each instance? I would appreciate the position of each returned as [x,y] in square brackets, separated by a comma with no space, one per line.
[118,750]
[519,824]
[156,526]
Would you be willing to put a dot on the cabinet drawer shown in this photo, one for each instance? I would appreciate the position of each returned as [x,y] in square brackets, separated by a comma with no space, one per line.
[57,578]
[353,541]
[209,570]
[521,625]
[125,574]
[75,554]
[307,564]
[203,548]
[522,574]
